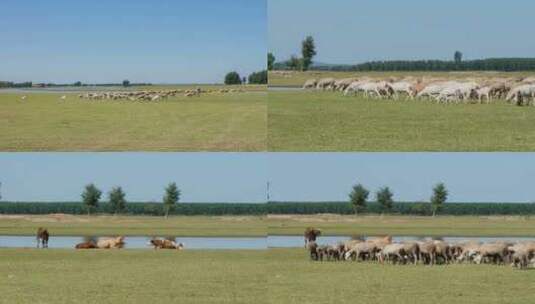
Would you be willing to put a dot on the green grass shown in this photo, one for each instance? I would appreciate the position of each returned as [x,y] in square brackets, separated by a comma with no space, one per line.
[404,225]
[241,276]
[293,278]
[213,122]
[328,121]
[134,225]
[131,276]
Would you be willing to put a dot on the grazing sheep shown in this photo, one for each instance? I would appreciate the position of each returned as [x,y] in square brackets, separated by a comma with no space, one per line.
[325,84]
[310,84]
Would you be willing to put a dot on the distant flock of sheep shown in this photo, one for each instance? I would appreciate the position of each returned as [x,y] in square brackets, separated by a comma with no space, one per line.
[519,91]
[147,95]
[428,252]
[43,236]
[153,95]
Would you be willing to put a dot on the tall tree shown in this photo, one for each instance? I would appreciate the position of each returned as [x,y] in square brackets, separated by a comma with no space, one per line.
[358,197]
[126,83]
[385,198]
[458,57]
[232,78]
[171,197]
[270,61]
[91,197]
[308,51]
[439,197]
[117,199]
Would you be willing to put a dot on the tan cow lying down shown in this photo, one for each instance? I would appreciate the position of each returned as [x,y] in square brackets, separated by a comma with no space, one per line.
[109,243]
[165,244]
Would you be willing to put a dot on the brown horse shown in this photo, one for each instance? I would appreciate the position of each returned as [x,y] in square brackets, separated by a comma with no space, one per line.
[311,234]
[42,237]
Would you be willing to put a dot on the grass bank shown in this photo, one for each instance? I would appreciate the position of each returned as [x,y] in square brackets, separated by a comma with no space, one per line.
[403,225]
[61,224]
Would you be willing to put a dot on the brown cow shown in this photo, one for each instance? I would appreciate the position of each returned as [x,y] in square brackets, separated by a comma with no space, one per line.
[166,244]
[311,234]
[42,237]
[86,245]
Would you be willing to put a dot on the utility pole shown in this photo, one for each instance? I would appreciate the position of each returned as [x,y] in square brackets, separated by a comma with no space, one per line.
[267,192]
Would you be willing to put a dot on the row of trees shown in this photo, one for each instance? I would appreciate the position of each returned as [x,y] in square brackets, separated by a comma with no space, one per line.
[117,198]
[358,198]
[10,84]
[234,78]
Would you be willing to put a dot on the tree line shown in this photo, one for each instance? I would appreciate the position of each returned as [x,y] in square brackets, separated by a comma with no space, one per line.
[117,198]
[358,198]
[490,64]
[29,84]
[234,78]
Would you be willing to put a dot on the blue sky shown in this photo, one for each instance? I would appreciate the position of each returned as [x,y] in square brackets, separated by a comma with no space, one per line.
[481,177]
[241,177]
[202,177]
[349,31]
[162,41]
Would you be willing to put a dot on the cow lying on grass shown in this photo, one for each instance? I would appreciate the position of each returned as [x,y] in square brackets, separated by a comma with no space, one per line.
[165,244]
[86,245]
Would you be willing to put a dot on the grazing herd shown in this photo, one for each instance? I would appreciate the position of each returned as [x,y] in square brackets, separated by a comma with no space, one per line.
[518,91]
[427,252]
[108,243]
[153,95]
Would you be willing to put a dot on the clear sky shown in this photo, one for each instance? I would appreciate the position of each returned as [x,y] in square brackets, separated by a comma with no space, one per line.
[349,31]
[242,177]
[202,177]
[164,41]
[481,177]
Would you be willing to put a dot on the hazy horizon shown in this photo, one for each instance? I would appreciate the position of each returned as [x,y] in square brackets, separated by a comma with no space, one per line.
[176,42]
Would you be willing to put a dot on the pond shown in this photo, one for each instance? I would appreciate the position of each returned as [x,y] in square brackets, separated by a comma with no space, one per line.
[258,243]
[140,242]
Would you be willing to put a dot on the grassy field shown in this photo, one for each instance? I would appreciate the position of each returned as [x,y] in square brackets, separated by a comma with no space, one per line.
[328,121]
[292,278]
[131,276]
[297,79]
[403,225]
[213,122]
[221,276]
[134,225]
[273,224]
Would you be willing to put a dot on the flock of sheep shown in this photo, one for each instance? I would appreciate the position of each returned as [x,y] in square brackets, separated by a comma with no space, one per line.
[152,95]
[519,91]
[429,252]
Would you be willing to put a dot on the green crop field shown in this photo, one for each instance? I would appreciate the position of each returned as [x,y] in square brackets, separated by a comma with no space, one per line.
[212,122]
[329,121]
[61,224]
